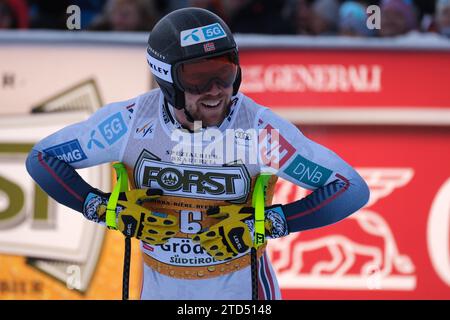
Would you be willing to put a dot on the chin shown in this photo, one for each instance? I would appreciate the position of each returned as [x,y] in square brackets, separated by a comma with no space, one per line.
[213,115]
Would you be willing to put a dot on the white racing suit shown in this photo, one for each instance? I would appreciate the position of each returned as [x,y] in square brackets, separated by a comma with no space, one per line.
[214,166]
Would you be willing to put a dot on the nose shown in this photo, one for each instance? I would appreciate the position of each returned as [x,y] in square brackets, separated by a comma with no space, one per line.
[214,89]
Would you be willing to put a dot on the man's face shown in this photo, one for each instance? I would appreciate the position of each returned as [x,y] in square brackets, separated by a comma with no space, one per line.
[210,107]
[208,86]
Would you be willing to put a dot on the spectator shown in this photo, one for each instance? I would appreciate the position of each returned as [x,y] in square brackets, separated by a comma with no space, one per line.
[48,14]
[398,17]
[89,10]
[257,16]
[353,20]
[216,6]
[126,15]
[443,17]
[302,16]
[325,15]
[13,14]
[232,8]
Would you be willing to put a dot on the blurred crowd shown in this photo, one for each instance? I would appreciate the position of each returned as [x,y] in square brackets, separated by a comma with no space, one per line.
[306,17]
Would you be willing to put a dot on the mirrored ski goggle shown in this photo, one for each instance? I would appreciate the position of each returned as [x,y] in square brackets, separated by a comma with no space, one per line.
[198,76]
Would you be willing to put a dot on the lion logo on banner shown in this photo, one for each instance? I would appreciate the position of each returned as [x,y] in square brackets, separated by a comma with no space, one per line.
[359,252]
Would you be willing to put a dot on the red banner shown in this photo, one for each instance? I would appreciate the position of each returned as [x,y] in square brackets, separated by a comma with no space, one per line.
[376,78]
[397,246]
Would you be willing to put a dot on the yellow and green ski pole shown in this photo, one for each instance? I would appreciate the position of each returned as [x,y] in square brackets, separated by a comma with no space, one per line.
[259,236]
[121,186]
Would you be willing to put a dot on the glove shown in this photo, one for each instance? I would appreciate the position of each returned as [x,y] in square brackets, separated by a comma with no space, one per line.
[133,220]
[233,234]
[229,237]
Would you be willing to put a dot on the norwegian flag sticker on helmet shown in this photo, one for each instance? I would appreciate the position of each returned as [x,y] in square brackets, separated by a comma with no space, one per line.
[209,46]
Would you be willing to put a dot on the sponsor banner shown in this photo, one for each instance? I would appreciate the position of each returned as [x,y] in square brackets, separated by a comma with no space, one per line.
[344,78]
[48,251]
[32,224]
[396,247]
[119,73]
[298,77]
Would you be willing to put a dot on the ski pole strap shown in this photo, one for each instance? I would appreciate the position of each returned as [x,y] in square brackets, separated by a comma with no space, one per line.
[121,186]
[258,202]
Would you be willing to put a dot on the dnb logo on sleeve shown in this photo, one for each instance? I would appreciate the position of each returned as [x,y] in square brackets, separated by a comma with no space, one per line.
[113,128]
[308,172]
[68,152]
[202,34]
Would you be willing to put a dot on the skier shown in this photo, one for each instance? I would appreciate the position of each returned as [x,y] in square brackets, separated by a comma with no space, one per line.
[189,148]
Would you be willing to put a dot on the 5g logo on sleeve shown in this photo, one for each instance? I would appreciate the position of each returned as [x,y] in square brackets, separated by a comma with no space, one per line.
[113,128]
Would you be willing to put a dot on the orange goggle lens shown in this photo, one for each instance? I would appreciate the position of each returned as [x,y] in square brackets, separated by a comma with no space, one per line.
[198,76]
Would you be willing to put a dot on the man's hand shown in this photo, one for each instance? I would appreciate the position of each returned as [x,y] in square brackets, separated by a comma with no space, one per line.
[233,234]
[229,237]
[136,221]
[133,220]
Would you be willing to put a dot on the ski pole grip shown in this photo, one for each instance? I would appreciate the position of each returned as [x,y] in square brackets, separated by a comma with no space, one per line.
[258,202]
[121,186]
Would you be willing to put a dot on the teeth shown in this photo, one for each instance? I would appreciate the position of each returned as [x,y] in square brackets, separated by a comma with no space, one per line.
[211,103]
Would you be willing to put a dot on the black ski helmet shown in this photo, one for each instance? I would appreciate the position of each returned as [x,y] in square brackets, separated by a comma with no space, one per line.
[182,35]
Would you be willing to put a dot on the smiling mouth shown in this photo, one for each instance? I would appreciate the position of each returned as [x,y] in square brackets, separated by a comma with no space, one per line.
[211,104]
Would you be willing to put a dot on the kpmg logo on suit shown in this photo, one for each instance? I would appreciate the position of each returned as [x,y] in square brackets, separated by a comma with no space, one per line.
[69,152]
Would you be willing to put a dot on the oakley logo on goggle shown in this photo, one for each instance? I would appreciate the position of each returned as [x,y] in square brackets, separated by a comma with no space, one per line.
[198,35]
